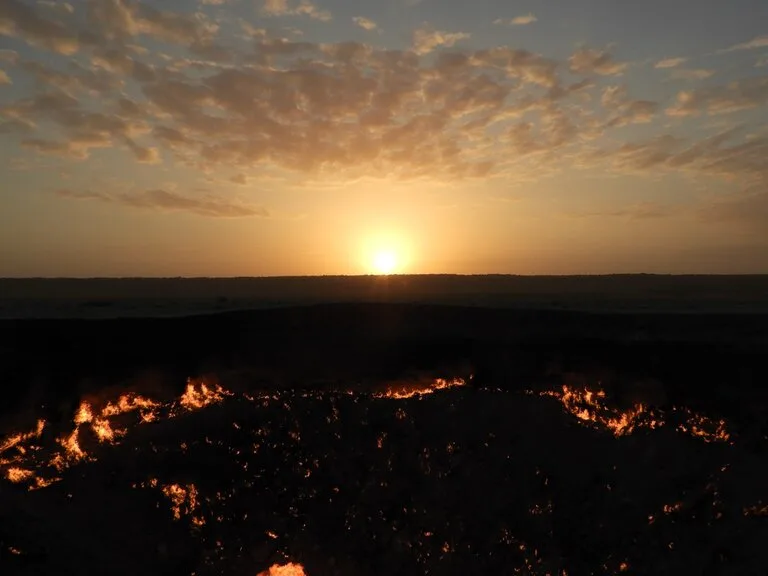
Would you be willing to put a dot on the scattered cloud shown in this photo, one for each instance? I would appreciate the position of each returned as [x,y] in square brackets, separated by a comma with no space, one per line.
[437,109]
[670,62]
[159,199]
[303,8]
[623,110]
[425,40]
[365,23]
[9,56]
[735,96]
[691,74]
[593,61]
[754,44]
[517,20]
[23,21]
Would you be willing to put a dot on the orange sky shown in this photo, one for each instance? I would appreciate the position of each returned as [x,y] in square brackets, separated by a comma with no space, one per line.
[292,137]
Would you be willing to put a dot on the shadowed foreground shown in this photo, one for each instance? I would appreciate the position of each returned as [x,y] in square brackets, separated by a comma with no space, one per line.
[323,436]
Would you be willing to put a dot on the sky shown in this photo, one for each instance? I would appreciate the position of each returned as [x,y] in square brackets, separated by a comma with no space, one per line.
[312,137]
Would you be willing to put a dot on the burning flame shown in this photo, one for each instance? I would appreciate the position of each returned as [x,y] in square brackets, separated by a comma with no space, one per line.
[25,462]
[183,502]
[18,474]
[16,440]
[412,389]
[290,569]
[197,396]
[589,406]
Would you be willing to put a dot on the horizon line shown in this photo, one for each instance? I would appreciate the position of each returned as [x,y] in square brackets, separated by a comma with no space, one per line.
[386,276]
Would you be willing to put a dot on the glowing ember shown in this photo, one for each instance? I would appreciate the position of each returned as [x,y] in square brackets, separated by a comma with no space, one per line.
[17,439]
[129,403]
[412,389]
[183,502]
[18,474]
[704,428]
[290,569]
[71,445]
[31,459]
[758,509]
[199,395]
[84,414]
[589,406]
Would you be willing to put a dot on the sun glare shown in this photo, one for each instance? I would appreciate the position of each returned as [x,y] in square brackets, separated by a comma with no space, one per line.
[384,262]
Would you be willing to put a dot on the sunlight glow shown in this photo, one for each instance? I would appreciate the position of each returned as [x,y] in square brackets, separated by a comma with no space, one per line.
[384,262]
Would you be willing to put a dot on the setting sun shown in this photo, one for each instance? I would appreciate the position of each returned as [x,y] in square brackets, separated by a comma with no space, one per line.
[384,262]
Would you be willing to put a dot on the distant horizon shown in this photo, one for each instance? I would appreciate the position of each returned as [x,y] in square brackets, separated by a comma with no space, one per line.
[386,276]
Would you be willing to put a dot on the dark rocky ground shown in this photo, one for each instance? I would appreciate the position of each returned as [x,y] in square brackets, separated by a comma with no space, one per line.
[476,480]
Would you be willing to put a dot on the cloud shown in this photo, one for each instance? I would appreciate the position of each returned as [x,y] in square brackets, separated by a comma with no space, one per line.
[670,62]
[762,62]
[9,56]
[22,21]
[425,39]
[736,96]
[726,155]
[365,23]
[303,8]
[143,154]
[692,74]
[623,110]
[517,21]
[593,61]
[76,148]
[159,199]
[754,44]
[437,110]
[120,20]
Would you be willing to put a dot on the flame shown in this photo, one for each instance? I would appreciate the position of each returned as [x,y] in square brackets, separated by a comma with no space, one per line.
[406,390]
[590,407]
[17,439]
[289,569]
[199,395]
[30,461]
[84,414]
[183,501]
[18,474]
[704,428]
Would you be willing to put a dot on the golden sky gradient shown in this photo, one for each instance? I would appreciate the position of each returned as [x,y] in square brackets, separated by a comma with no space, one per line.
[292,137]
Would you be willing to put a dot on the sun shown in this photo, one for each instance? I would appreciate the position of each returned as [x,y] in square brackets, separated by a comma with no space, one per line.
[384,262]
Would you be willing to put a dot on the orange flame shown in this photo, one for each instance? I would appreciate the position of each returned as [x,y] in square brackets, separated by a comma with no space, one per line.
[590,407]
[289,569]
[18,474]
[183,502]
[199,395]
[412,389]
[28,459]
